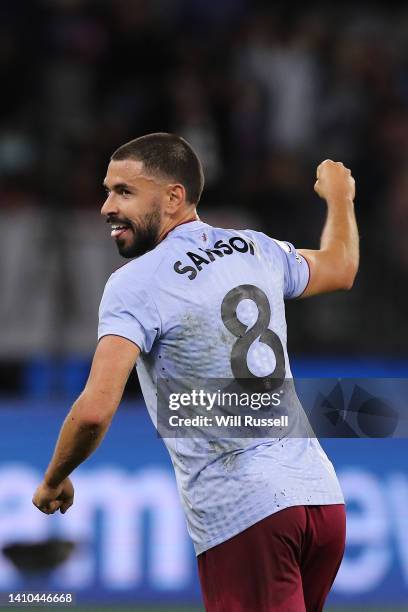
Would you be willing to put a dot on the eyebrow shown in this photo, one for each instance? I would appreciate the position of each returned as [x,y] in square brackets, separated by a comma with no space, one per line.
[117,187]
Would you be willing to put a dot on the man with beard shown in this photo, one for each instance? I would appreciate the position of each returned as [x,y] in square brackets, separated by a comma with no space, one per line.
[197,302]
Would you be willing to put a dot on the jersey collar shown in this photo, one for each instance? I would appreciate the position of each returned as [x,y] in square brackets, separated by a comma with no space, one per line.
[184,226]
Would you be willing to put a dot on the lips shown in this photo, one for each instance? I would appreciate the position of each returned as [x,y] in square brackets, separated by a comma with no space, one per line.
[118,230]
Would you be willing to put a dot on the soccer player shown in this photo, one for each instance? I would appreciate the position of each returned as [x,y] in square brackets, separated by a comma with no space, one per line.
[266,516]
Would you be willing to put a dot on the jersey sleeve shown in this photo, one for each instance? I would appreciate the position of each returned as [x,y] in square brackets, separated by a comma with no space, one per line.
[296,271]
[128,311]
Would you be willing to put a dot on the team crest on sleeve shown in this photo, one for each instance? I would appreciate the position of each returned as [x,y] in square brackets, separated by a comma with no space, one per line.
[284,246]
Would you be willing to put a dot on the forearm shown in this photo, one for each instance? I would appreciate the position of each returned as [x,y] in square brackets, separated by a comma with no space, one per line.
[340,233]
[78,438]
[334,266]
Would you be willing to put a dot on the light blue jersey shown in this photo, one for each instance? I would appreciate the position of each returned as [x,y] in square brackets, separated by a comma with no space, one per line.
[172,303]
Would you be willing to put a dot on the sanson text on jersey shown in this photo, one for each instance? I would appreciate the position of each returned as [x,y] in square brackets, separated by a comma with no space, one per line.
[236,244]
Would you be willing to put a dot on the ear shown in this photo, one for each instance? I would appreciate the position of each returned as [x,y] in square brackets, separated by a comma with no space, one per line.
[176,195]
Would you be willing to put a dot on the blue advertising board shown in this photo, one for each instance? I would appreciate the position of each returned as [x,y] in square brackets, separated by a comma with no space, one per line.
[129,530]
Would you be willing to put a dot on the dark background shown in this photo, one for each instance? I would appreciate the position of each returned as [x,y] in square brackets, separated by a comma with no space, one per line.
[264,94]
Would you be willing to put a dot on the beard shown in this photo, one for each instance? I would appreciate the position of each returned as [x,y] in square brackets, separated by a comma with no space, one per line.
[145,235]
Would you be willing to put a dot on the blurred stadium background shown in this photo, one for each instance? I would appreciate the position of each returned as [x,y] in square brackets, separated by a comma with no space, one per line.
[264,92]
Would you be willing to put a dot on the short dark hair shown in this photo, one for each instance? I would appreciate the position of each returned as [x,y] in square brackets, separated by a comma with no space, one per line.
[168,155]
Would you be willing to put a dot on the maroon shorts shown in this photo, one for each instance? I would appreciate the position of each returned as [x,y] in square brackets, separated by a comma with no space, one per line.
[285,563]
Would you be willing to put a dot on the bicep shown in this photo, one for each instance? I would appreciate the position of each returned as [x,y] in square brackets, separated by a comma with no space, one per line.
[325,273]
[113,361]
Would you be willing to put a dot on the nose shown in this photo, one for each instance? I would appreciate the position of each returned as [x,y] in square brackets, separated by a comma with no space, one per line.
[108,207]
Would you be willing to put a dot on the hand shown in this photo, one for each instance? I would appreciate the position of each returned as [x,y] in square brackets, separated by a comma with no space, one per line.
[49,499]
[334,182]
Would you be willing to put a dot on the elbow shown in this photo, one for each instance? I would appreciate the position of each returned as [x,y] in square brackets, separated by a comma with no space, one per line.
[96,420]
[92,412]
[347,284]
[86,419]
[90,426]
[348,277]
[92,422]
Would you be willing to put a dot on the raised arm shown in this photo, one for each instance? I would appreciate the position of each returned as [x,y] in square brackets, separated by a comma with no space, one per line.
[87,421]
[334,266]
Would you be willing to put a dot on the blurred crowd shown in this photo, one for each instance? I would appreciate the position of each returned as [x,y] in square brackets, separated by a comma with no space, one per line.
[263,91]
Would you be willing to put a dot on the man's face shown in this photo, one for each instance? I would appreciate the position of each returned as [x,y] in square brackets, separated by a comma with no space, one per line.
[133,207]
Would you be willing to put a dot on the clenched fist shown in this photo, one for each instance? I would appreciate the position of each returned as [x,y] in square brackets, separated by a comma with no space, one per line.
[50,499]
[334,182]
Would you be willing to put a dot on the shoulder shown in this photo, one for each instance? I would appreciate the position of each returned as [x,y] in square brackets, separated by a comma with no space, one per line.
[267,244]
[140,271]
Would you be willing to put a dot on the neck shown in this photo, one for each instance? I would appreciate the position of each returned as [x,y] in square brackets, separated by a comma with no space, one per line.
[184,218]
